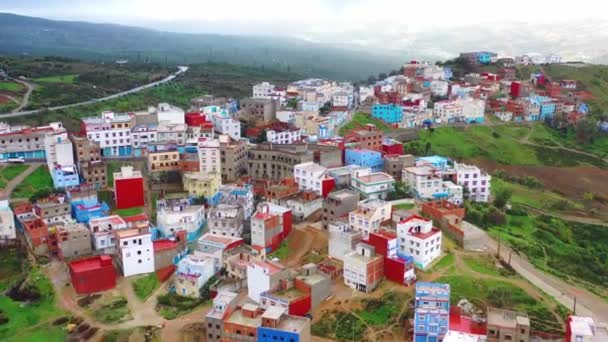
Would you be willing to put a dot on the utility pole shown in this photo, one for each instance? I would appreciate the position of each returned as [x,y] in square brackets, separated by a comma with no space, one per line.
[574,309]
[510,251]
[498,252]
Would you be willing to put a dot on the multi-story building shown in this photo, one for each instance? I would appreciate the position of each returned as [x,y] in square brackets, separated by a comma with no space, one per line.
[226,220]
[233,159]
[369,138]
[397,269]
[475,180]
[128,188]
[175,213]
[111,131]
[261,109]
[419,240]
[88,159]
[135,251]
[389,113]
[263,276]
[243,323]
[287,135]
[223,123]
[198,126]
[276,325]
[302,204]
[313,177]
[93,274]
[209,155]
[439,88]
[342,239]
[426,182]
[171,132]
[7,220]
[60,160]
[192,274]
[467,110]
[237,261]
[369,215]
[201,184]
[546,106]
[188,162]
[36,235]
[431,312]
[394,164]
[241,196]
[363,268]
[584,329]
[375,185]
[53,209]
[276,162]
[266,231]
[73,240]
[224,304]
[338,204]
[102,231]
[263,90]
[163,158]
[169,113]
[142,135]
[364,157]
[341,100]
[26,142]
[505,325]
[218,248]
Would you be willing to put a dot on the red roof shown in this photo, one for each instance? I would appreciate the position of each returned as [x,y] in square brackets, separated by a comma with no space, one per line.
[465,324]
[164,244]
[413,217]
[136,218]
[386,234]
[90,264]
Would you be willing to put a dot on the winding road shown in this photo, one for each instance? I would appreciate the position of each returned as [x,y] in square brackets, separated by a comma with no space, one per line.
[16,113]
[26,98]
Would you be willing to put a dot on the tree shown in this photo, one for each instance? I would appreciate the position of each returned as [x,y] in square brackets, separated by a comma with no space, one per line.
[393,72]
[495,217]
[427,148]
[382,76]
[371,80]
[502,197]
[205,291]
[200,200]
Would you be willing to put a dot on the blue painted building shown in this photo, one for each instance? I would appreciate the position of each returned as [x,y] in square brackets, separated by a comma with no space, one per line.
[389,113]
[83,212]
[432,312]
[366,158]
[484,57]
[277,326]
[65,177]
[437,162]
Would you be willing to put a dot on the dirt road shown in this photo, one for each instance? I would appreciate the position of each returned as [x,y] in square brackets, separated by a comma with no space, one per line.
[17,180]
[26,98]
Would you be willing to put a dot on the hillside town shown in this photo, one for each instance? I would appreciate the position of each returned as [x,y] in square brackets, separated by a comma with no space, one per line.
[271,205]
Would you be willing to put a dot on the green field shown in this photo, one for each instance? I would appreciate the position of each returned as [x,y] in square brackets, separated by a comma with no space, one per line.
[57,79]
[129,211]
[144,286]
[404,206]
[360,120]
[113,310]
[38,180]
[537,198]
[27,321]
[11,86]
[282,252]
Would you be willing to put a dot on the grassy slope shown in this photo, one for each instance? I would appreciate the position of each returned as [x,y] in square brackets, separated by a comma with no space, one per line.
[360,120]
[37,180]
[11,86]
[57,79]
[593,78]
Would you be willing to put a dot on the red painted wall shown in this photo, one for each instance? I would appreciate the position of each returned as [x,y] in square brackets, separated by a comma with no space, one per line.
[300,306]
[393,149]
[379,242]
[327,185]
[129,193]
[394,270]
[287,223]
[515,89]
[94,280]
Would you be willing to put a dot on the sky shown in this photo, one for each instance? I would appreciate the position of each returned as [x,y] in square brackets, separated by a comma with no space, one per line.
[309,19]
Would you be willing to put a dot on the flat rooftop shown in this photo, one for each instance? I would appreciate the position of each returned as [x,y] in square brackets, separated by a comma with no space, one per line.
[377,177]
[90,264]
[342,194]
[507,318]
[237,317]
[273,312]
[114,220]
[126,233]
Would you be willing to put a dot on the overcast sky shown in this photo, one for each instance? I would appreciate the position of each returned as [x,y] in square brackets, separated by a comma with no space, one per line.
[308,18]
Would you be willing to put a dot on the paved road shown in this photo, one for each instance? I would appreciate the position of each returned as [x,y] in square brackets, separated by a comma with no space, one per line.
[587,304]
[181,70]
[26,98]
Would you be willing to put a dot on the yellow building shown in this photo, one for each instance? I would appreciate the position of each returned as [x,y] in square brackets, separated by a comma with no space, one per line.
[201,183]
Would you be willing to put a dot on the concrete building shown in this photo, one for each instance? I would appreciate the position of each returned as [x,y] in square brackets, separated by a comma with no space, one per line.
[313,177]
[318,283]
[171,114]
[128,188]
[376,185]
[223,123]
[369,138]
[111,131]
[475,180]
[243,323]
[135,251]
[60,160]
[171,132]
[431,312]
[233,194]
[266,231]
[26,142]
[263,276]
[584,329]
[218,248]
[394,164]
[363,268]
[276,325]
[7,220]
[302,204]
[142,135]
[102,232]
[396,269]
[175,213]
[164,158]
[226,220]
[467,110]
[192,274]
[261,109]
[88,160]
[198,126]
[342,239]
[369,215]
[233,159]
[389,113]
[364,157]
[53,209]
[201,184]
[73,240]
[505,325]
[168,252]
[93,274]
[288,135]
[286,116]
[209,155]
[419,240]
[224,304]
[263,90]
[338,204]
[276,162]
[426,182]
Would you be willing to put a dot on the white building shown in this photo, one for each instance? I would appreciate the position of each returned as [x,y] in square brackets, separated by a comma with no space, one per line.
[111,131]
[263,276]
[584,329]
[102,232]
[171,132]
[286,136]
[135,251]
[342,239]
[460,110]
[222,122]
[286,116]
[7,220]
[302,204]
[363,268]
[369,215]
[58,149]
[170,114]
[209,155]
[417,238]
[426,181]
[475,180]
[341,99]
[176,214]
[375,185]
[365,92]
[310,176]
[263,90]
[439,87]
[193,272]
[143,135]
[226,220]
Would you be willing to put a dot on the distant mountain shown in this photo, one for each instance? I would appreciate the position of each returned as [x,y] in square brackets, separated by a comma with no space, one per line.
[36,36]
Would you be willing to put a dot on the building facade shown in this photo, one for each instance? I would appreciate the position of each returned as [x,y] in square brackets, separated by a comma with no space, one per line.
[338,204]
[363,268]
[431,312]
[419,240]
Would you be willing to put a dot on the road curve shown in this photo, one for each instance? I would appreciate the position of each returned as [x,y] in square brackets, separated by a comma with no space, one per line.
[26,98]
[181,70]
